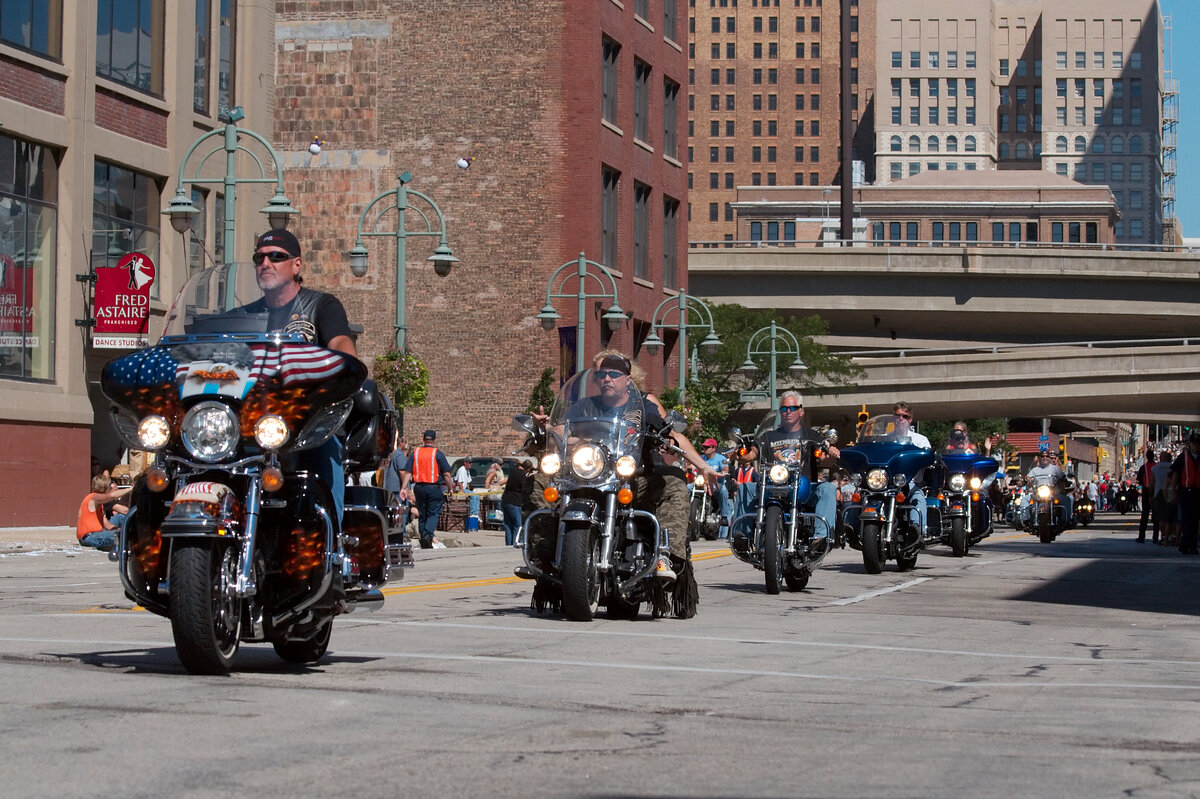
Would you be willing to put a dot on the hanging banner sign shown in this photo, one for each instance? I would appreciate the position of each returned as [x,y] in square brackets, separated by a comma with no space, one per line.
[16,305]
[122,303]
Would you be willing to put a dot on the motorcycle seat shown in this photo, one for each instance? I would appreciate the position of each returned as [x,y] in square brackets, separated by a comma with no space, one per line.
[370,429]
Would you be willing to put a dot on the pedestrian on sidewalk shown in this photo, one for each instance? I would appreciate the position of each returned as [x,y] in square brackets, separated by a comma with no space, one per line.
[92,528]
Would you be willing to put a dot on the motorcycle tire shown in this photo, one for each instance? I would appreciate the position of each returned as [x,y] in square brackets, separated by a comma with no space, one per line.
[206,613]
[580,577]
[872,548]
[1045,530]
[958,537]
[772,557]
[695,522]
[309,651]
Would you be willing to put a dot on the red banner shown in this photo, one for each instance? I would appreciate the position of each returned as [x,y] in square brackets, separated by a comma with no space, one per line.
[16,304]
[122,302]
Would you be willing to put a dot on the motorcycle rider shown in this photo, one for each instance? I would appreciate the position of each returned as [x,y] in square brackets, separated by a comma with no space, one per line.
[791,434]
[660,487]
[903,411]
[1046,472]
[719,493]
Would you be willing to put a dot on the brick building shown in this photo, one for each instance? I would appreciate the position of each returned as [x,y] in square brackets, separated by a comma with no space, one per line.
[573,114]
[763,100]
[98,113]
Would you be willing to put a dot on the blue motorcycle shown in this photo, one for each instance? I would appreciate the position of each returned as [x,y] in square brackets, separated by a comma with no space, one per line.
[963,512]
[881,521]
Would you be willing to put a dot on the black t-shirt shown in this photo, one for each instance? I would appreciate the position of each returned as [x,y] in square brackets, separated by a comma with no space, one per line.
[514,489]
[780,441]
[315,315]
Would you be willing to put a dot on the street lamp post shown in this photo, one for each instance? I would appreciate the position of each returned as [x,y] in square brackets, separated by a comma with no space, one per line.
[777,339]
[614,315]
[443,259]
[683,302]
[278,209]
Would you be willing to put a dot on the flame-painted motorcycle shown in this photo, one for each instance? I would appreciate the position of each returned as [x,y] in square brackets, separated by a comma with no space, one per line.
[233,536]
[779,538]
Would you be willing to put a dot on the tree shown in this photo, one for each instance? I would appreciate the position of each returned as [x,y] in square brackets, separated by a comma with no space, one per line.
[542,394]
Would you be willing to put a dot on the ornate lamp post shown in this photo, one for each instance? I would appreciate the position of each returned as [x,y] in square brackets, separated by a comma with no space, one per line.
[278,209]
[777,340]
[555,289]
[681,304]
[443,259]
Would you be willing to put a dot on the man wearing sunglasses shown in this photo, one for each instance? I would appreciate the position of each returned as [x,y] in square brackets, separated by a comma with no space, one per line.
[791,435]
[317,316]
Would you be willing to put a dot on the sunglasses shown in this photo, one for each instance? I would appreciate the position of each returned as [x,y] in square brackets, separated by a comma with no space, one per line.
[275,257]
[904,416]
[790,408]
[611,374]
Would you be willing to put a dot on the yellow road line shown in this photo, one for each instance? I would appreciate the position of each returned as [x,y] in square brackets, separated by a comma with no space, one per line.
[414,589]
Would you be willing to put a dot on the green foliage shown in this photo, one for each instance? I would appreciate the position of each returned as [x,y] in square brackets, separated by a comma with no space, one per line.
[404,377]
[542,395]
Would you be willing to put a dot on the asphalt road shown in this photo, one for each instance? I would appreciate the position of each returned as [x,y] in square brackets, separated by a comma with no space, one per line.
[1069,669]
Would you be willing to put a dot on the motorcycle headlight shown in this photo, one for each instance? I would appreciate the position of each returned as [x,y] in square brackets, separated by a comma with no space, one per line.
[154,432]
[210,431]
[778,474]
[587,461]
[551,463]
[271,432]
[1043,492]
[877,479]
[698,482]
[976,483]
[958,482]
[626,466]
[899,480]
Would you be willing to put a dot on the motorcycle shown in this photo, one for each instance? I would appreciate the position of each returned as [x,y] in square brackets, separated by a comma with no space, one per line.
[607,549]
[1012,507]
[784,544]
[1125,500]
[964,508]
[879,521]
[1085,512]
[1048,517]
[227,537]
[705,519]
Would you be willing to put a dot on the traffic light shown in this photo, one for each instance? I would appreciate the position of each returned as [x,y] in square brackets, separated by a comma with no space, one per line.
[863,416]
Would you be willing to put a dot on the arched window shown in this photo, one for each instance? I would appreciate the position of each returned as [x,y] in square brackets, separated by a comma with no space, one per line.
[951,144]
[1118,144]
[1135,144]
[1060,144]
[895,144]
[1098,144]
[914,144]
[1037,149]
[1003,150]
[934,144]
[1080,144]
[970,144]
[1022,150]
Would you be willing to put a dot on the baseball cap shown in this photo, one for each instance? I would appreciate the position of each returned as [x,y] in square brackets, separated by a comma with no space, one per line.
[280,238]
[709,442]
[430,435]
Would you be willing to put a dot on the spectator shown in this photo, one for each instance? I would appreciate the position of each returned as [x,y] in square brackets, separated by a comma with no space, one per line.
[511,499]
[428,469]
[1165,508]
[720,494]
[495,477]
[92,528]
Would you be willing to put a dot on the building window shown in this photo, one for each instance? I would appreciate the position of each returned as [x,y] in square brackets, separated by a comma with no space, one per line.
[34,25]
[201,76]
[670,119]
[609,184]
[1118,60]
[670,20]
[641,231]
[1004,67]
[1135,60]
[28,274]
[608,82]
[951,59]
[896,55]
[714,211]
[1056,232]
[670,238]
[969,145]
[641,100]
[129,43]
[124,200]
[895,144]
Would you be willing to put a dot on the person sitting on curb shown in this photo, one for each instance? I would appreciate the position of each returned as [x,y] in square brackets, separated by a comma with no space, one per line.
[92,528]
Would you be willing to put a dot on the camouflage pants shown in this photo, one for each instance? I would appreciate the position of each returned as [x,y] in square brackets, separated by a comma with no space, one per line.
[665,496]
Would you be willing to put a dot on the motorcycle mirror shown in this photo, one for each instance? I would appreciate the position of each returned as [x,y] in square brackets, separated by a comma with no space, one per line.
[524,423]
[676,421]
[831,436]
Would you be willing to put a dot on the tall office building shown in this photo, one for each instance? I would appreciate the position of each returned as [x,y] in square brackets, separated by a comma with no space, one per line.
[1071,87]
[763,100]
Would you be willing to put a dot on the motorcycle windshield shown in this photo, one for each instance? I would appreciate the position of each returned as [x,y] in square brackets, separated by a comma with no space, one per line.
[593,423]
[886,429]
[224,299]
[778,445]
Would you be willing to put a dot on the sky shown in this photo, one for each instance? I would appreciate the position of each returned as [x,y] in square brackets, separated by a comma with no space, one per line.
[1183,58]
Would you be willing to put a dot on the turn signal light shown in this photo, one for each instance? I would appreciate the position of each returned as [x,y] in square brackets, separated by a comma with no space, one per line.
[156,479]
[550,494]
[975,496]
[941,497]
[272,479]
[900,498]
[625,495]
[856,497]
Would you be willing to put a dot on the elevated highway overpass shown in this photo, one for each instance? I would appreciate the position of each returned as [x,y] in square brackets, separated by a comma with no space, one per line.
[951,329]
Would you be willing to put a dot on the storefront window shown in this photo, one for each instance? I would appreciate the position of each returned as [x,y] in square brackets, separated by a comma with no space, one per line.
[28,227]
[125,215]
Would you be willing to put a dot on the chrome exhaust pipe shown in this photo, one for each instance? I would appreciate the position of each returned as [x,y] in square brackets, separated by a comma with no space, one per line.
[370,599]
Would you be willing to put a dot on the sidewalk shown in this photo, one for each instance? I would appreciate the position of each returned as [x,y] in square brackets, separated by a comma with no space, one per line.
[30,539]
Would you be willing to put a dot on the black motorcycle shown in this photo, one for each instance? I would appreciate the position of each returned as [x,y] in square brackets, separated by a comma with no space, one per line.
[1125,500]
[705,519]
[1085,512]
[1048,516]
[229,537]
[607,549]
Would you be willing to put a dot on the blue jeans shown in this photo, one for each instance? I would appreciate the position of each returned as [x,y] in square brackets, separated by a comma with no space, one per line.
[430,499]
[743,503]
[726,511]
[104,540]
[920,511]
[512,522]
[325,462]
[473,503]
[826,508]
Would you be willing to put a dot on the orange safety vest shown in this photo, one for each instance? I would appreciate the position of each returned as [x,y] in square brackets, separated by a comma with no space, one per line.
[1189,477]
[425,466]
[744,474]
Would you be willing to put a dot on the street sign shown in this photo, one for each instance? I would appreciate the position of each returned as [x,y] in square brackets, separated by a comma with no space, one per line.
[752,396]
[1043,439]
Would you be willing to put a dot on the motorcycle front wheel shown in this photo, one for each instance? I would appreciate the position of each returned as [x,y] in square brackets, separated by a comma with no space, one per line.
[872,547]
[580,577]
[772,558]
[206,612]
[958,537]
[1045,529]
